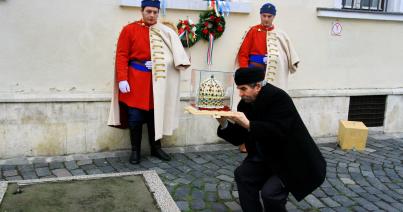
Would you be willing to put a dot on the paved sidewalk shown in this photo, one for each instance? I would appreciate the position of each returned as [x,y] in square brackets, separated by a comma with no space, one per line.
[203,181]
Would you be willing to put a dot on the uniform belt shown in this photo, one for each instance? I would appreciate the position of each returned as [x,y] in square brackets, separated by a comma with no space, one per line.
[256,58]
[139,65]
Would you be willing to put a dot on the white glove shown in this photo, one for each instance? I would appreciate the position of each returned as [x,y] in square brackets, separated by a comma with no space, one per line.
[265,60]
[149,64]
[124,86]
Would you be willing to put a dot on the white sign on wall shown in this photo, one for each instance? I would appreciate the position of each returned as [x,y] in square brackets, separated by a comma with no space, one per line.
[336,29]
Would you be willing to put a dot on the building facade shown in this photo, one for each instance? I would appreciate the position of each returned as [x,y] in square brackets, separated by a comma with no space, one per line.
[57,66]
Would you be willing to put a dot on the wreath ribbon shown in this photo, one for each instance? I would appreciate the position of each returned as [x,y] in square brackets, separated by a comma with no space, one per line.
[210,49]
[220,7]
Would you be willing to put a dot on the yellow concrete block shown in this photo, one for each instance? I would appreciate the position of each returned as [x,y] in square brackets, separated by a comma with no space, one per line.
[352,135]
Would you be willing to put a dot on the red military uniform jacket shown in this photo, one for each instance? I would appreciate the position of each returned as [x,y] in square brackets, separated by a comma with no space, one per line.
[254,43]
[134,44]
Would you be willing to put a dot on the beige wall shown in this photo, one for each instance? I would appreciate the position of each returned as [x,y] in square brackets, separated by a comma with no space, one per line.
[57,62]
[50,46]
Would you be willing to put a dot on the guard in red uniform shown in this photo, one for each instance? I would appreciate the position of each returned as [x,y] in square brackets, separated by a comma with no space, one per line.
[133,66]
[253,51]
[264,40]
[133,73]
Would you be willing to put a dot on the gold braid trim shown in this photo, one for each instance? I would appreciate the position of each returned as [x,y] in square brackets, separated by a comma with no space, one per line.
[273,56]
[159,69]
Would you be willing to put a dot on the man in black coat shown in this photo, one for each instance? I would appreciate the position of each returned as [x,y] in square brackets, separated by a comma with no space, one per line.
[282,156]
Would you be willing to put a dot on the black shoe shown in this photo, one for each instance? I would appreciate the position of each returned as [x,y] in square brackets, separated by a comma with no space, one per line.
[134,157]
[159,153]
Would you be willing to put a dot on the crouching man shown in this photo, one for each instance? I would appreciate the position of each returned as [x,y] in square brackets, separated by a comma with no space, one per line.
[282,156]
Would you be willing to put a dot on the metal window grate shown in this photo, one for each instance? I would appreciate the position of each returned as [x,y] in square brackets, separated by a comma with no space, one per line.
[368,109]
[369,5]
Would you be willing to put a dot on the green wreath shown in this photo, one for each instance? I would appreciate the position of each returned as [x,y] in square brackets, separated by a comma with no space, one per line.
[210,23]
[187,33]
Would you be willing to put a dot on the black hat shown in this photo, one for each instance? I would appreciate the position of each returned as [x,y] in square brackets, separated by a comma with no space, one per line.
[150,3]
[268,8]
[244,76]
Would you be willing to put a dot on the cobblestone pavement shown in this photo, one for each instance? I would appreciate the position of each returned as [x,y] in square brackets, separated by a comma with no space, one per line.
[203,181]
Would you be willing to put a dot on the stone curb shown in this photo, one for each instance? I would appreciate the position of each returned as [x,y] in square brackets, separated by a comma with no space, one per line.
[164,200]
[99,155]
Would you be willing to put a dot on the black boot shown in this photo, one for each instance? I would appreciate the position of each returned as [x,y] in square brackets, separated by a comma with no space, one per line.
[135,138]
[158,152]
[155,145]
[135,157]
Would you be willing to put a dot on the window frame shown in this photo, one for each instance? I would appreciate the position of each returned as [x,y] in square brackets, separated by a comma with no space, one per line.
[382,5]
[394,12]
[194,5]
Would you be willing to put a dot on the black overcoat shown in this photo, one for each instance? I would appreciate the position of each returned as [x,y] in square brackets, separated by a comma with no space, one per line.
[278,135]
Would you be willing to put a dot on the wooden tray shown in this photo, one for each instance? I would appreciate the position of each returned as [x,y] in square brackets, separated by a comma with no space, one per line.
[213,113]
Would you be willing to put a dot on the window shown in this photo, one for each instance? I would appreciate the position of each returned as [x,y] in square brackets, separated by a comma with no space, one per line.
[384,10]
[371,5]
[368,109]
